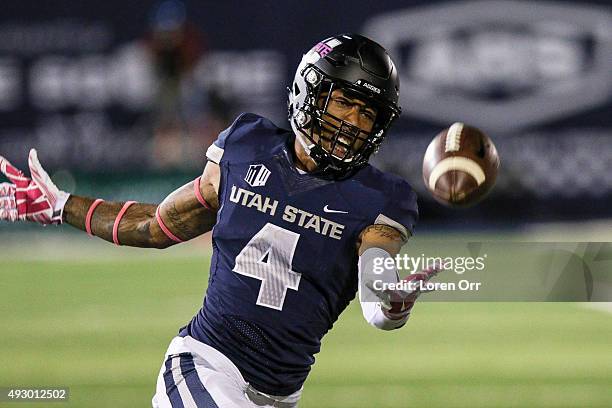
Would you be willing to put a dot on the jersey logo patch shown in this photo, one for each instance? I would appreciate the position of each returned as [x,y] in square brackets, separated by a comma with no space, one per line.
[329,210]
[257,175]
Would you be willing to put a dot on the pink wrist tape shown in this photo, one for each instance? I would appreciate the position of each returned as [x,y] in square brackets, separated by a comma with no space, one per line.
[90,212]
[118,220]
[198,193]
[163,227]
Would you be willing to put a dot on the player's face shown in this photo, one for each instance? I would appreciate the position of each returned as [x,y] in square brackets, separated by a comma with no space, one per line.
[343,106]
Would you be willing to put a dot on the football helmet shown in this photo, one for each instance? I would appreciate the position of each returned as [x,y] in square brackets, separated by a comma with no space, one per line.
[363,70]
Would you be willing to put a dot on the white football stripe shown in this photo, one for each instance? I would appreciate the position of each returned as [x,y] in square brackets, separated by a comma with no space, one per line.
[456,163]
[453,137]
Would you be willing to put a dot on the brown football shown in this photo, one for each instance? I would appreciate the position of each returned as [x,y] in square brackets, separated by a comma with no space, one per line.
[460,165]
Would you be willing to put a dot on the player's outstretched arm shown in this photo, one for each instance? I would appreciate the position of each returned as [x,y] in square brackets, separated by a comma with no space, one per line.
[186,213]
[378,246]
[381,236]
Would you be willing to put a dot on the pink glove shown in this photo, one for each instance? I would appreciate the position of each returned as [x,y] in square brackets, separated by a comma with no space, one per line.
[398,303]
[36,199]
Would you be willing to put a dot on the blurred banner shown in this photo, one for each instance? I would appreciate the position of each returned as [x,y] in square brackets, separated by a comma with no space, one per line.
[146,87]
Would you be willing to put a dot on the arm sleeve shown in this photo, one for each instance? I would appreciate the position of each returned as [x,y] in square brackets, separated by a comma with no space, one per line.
[373,314]
[370,307]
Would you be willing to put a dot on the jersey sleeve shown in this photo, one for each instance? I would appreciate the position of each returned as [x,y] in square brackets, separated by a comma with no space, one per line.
[216,150]
[401,210]
[248,136]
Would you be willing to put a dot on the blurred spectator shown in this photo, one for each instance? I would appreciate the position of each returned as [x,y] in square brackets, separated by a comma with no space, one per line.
[186,117]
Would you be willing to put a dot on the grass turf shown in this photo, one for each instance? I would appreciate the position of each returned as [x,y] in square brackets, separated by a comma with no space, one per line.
[101,328]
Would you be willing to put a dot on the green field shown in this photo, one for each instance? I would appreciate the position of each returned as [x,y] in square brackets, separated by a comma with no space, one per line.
[100,326]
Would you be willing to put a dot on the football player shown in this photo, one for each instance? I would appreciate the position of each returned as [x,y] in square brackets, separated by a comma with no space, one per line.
[298,215]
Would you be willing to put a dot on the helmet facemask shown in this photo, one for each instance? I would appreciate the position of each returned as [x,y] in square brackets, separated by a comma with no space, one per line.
[338,147]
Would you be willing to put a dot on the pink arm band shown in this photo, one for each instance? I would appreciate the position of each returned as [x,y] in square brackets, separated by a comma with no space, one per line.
[198,193]
[118,220]
[90,212]
[163,227]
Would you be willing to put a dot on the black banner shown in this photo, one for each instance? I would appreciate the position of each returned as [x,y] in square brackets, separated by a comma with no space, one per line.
[146,86]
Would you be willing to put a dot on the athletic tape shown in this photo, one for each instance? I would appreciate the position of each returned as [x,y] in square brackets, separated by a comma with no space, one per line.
[165,229]
[198,193]
[90,212]
[118,220]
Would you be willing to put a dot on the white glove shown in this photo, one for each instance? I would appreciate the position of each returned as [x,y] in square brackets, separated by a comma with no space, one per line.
[36,199]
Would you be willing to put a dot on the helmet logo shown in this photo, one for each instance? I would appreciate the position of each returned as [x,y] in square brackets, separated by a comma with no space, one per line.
[312,77]
[324,48]
[367,85]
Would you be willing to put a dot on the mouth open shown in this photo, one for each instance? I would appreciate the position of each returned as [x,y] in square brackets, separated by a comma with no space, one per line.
[342,141]
[343,147]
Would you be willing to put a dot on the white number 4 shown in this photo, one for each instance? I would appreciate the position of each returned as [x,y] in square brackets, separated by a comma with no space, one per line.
[268,257]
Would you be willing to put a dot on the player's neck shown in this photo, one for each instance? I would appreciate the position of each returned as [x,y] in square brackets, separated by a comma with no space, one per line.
[303,160]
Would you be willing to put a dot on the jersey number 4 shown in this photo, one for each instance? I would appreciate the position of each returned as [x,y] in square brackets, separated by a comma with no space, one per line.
[268,257]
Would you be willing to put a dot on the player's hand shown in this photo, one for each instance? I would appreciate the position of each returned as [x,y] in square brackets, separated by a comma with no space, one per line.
[34,199]
[396,304]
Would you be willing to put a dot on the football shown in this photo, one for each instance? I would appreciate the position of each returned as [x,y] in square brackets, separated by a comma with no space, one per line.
[460,166]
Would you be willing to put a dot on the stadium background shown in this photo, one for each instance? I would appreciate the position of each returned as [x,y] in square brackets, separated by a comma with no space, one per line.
[121,101]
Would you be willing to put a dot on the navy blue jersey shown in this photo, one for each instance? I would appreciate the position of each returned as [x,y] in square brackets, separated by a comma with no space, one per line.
[284,262]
